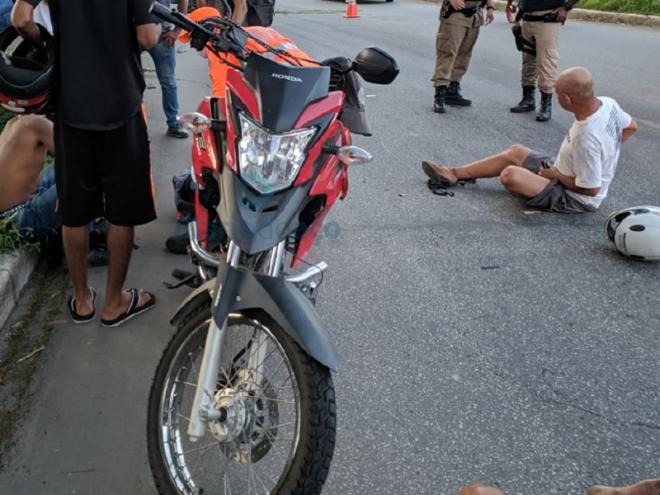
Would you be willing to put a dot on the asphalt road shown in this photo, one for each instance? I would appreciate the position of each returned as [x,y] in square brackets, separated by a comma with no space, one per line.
[479,342]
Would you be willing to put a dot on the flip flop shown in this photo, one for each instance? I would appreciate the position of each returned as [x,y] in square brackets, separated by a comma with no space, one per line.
[77,318]
[133,309]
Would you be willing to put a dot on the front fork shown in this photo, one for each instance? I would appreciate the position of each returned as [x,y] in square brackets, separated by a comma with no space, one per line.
[203,409]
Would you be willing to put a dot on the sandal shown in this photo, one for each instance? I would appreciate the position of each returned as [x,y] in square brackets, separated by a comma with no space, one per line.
[133,308]
[444,175]
[78,318]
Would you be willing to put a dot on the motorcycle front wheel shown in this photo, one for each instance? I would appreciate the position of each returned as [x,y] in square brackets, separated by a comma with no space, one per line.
[276,431]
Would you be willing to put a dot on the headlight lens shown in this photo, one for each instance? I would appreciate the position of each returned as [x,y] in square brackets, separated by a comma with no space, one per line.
[270,162]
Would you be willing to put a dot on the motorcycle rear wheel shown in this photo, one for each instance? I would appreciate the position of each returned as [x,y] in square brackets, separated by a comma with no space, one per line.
[272,420]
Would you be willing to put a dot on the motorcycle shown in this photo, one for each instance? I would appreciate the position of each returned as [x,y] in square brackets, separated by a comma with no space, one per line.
[243,399]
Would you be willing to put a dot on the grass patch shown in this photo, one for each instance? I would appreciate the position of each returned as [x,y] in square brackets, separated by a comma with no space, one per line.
[11,240]
[645,7]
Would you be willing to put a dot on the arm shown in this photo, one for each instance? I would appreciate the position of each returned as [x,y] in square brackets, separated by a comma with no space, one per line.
[146,24]
[568,182]
[629,131]
[22,19]
[171,36]
[240,11]
[562,12]
[148,35]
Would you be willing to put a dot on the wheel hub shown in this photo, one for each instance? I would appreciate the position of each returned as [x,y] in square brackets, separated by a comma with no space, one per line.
[247,426]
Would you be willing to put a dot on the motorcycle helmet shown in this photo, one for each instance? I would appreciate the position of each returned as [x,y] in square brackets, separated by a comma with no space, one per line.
[26,71]
[635,232]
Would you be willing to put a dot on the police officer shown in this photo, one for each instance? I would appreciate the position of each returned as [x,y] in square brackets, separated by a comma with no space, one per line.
[540,22]
[460,21]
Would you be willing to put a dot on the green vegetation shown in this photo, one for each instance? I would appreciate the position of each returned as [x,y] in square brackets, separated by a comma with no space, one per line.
[646,7]
[11,240]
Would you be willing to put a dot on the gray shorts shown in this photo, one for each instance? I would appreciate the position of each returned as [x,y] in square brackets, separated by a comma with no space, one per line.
[554,197]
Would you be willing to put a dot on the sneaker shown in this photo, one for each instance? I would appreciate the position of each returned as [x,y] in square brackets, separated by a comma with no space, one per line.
[177,132]
[442,174]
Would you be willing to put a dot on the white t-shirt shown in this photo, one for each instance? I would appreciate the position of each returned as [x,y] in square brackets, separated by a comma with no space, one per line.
[590,151]
[41,15]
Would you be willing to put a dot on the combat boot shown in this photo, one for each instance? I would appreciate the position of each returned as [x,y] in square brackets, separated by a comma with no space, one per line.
[528,102]
[439,100]
[454,96]
[545,112]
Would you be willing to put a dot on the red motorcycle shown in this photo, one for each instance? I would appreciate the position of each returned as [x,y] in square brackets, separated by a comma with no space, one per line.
[243,399]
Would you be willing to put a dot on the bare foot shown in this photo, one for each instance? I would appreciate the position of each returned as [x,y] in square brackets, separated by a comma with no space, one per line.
[647,487]
[479,489]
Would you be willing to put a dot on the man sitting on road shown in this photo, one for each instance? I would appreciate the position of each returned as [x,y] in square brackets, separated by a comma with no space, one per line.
[28,194]
[647,487]
[576,181]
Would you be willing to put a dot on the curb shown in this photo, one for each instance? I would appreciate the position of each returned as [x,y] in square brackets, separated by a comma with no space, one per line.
[15,271]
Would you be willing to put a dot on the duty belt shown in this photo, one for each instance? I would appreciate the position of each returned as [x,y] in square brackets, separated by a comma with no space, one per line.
[448,10]
[549,17]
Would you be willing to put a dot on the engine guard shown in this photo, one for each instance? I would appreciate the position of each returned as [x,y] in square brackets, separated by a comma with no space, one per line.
[279,299]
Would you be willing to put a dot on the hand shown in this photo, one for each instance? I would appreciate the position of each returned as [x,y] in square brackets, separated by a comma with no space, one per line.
[562,13]
[548,173]
[457,4]
[511,11]
[170,37]
[490,16]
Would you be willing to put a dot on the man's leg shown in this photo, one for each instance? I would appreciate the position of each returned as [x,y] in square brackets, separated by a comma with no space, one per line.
[479,489]
[447,43]
[547,61]
[76,245]
[508,165]
[120,246]
[461,65]
[528,74]
[647,487]
[165,62]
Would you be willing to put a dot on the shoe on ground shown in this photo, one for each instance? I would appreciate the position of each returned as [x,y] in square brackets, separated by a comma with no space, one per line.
[444,175]
[454,96]
[177,132]
[439,99]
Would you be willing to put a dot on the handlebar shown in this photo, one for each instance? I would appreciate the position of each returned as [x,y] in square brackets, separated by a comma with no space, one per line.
[231,39]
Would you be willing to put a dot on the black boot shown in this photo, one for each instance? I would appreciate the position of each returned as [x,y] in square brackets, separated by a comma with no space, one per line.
[439,100]
[454,96]
[528,102]
[545,112]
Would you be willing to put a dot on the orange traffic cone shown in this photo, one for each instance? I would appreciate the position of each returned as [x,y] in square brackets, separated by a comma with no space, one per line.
[351,10]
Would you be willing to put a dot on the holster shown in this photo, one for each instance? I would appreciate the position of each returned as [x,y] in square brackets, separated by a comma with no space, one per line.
[522,44]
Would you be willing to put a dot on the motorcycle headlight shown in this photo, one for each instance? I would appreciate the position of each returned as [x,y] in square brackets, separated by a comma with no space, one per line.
[270,162]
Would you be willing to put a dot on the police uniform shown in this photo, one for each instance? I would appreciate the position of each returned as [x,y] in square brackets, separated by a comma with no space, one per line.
[540,52]
[457,35]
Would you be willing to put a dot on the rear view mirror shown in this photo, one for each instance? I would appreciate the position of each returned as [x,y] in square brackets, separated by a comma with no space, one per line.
[376,66]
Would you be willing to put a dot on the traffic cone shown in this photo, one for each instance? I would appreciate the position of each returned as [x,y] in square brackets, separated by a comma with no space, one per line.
[351,10]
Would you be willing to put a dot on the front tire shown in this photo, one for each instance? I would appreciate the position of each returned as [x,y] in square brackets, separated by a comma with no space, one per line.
[270,422]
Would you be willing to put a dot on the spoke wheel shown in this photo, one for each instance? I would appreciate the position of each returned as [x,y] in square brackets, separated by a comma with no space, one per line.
[276,427]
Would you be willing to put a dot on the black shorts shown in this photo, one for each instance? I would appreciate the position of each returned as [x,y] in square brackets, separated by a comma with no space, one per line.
[104,174]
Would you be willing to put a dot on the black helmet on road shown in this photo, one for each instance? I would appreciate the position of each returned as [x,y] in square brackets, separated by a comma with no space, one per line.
[26,71]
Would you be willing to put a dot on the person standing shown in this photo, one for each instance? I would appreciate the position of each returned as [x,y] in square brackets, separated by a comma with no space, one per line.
[460,21]
[540,22]
[103,165]
[164,57]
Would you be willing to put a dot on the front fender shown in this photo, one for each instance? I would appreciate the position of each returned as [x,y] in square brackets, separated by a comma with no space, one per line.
[282,301]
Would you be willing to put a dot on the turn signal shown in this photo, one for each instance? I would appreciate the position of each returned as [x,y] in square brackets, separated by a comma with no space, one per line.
[195,121]
[353,155]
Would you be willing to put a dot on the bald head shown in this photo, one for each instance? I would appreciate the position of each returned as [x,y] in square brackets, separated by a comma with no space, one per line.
[479,489]
[576,83]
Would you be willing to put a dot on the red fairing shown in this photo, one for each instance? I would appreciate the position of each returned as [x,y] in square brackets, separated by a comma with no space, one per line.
[331,182]
[332,104]
[203,156]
